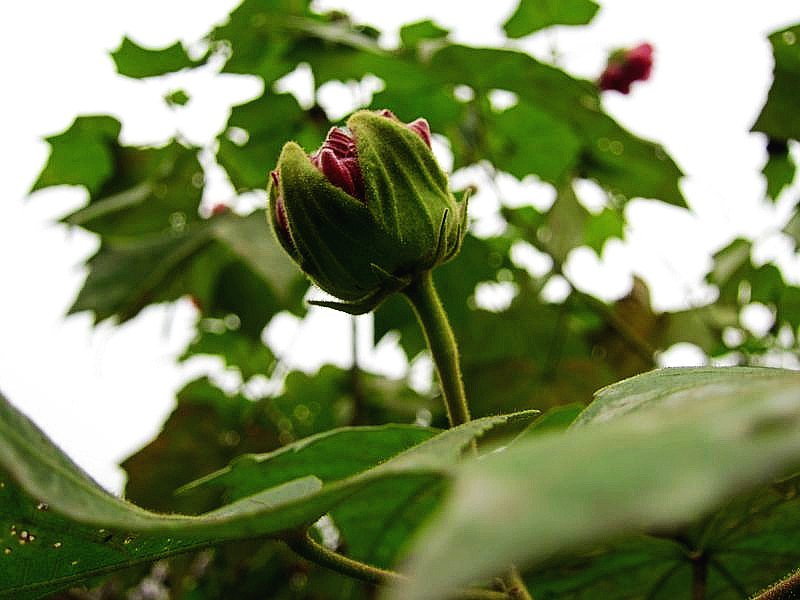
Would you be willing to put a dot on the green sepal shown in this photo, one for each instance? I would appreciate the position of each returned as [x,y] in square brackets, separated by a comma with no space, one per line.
[406,191]
[329,228]
[370,302]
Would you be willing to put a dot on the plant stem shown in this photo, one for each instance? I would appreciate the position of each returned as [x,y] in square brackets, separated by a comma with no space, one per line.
[786,589]
[304,545]
[699,576]
[423,298]
[421,294]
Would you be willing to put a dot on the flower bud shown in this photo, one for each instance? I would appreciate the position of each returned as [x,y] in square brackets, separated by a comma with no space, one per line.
[368,211]
[626,66]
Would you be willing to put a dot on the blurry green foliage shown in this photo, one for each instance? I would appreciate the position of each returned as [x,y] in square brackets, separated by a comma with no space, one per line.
[158,245]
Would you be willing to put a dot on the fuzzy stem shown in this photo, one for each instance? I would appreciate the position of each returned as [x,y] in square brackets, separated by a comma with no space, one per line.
[423,298]
[421,294]
[786,589]
[304,545]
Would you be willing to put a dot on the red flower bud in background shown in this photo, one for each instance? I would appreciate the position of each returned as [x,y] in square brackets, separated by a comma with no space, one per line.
[626,66]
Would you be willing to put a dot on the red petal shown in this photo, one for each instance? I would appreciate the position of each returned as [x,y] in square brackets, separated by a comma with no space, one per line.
[422,129]
[337,171]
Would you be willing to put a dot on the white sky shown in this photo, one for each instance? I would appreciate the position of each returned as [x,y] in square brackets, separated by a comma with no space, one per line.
[101,393]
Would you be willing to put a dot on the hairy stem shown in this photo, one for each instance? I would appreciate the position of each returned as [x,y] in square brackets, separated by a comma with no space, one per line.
[422,296]
[304,545]
[786,589]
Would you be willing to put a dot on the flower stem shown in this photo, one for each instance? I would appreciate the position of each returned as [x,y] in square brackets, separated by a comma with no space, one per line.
[421,294]
[423,298]
[304,545]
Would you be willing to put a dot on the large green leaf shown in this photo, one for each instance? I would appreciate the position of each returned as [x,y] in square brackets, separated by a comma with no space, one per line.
[779,118]
[708,436]
[222,262]
[524,140]
[355,448]
[133,60]
[675,386]
[151,190]
[533,15]
[749,544]
[60,527]
[625,164]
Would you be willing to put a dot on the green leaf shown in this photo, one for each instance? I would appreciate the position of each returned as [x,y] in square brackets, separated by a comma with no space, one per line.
[123,279]
[517,139]
[66,528]
[567,221]
[557,418]
[81,155]
[657,468]
[779,169]
[177,98]
[624,164]
[413,33]
[621,162]
[748,545]
[222,262]
[250,356]
[602,227]
[355,449]
[779,118]
[659,388]
[269,122]
[533,15]
[152,190]
[133,60]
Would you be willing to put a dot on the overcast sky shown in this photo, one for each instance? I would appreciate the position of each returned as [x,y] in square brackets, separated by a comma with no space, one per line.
[101,393]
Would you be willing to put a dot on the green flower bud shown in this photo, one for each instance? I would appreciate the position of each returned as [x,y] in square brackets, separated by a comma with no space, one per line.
[368,211]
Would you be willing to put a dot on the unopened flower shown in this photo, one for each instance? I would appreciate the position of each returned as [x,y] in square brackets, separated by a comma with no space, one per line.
[368,211]
[626,66]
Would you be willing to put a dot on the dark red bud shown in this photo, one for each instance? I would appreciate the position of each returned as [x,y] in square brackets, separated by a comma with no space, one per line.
[219,209]
[626,67]
[338,161]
